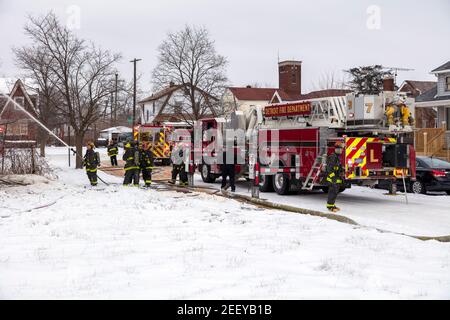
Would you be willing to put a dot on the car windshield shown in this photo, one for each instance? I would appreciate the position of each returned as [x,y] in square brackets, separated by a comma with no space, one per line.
[435,163]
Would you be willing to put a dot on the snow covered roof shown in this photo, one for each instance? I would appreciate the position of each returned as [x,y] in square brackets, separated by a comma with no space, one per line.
[119,129]
[443,68]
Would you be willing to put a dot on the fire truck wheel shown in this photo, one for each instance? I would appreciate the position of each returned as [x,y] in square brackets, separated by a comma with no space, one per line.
[281,183]
[265,183]
[205,171]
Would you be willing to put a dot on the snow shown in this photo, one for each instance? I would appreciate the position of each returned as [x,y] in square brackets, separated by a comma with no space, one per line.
[423,215]
[25,179]
[115,242]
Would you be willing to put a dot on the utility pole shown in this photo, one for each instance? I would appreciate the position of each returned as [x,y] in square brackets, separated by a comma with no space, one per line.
[112,111]
[115,98]
[134,91]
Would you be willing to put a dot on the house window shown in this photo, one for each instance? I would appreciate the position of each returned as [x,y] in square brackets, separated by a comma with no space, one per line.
[23,128]
[18,129]
[20,101]
[447,84]
[177,109]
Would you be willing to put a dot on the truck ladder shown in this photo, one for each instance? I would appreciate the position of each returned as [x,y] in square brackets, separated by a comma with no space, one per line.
[313,173]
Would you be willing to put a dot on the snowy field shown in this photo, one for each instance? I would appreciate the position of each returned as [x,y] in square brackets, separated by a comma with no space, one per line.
[118,242]
[422,215]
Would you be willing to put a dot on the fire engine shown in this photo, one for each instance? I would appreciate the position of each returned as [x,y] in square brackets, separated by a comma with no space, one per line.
[159,137]
[375,129]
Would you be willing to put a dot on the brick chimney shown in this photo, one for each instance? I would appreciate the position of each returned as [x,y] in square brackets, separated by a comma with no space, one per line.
[388,83]
[290,77]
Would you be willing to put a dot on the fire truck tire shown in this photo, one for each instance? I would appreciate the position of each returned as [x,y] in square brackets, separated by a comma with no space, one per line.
[265,183]
[281,183]
[206,174]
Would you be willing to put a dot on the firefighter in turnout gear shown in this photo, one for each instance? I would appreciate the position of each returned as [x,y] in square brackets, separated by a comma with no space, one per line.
[146,163]
[113,151]
[334,176]
[91,162]
[131,158]
[178,165]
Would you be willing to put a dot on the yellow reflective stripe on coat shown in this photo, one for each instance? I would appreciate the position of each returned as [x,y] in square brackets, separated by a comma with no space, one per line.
[91,170]
[130,168]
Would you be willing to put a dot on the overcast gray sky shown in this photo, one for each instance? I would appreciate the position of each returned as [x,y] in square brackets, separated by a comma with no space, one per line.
[325,35]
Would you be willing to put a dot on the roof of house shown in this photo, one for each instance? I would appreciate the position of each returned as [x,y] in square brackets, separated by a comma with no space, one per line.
[168,90]
[255,94]
[420,86]
[119,129]
[444,67]
[312,95]
[326,93]
[19,84]
[161,93]
[430,95]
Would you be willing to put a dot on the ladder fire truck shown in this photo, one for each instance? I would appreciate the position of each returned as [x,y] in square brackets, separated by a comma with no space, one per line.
[375,129]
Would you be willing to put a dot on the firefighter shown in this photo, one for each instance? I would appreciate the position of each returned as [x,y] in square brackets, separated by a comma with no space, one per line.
[178,166]
[146,163]
[131,158]
[113,151]
[334,176]
[91,162]
[228,170]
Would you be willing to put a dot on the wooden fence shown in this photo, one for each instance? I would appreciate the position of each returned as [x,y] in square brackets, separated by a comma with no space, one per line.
[432,141]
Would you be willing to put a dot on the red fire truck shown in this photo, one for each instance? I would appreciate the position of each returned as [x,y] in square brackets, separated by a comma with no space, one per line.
[295,139]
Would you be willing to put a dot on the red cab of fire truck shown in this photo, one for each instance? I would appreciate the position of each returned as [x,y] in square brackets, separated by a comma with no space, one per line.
[212,131]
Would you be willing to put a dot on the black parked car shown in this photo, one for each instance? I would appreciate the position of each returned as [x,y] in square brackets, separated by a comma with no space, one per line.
[432,174]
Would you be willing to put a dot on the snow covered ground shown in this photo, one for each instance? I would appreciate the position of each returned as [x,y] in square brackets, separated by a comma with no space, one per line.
[118,242]
[423,215]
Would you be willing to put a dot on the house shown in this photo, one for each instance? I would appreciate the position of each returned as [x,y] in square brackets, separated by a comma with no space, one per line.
[242,98]
[289,89]
[19,128]
[424,117]
[171,104]
[437,98]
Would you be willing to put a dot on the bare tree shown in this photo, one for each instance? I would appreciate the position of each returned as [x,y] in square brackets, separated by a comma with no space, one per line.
[330,80]
[82,73]
[35,61]
[188,58]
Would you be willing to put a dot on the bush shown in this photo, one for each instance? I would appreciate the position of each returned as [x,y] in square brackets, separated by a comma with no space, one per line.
[24,161]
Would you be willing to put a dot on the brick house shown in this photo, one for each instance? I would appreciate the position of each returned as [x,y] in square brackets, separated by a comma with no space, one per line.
[19,127]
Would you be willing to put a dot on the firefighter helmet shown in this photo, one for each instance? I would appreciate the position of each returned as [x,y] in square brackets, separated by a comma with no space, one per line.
[339,144]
